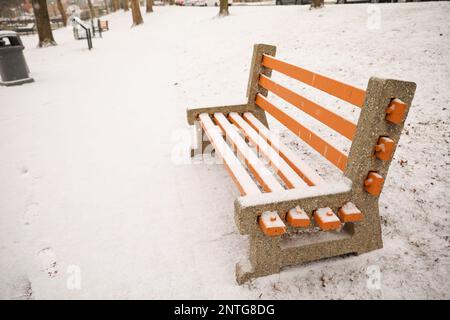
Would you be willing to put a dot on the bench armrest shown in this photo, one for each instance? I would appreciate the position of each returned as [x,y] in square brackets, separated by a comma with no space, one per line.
[193,113]
[248,208]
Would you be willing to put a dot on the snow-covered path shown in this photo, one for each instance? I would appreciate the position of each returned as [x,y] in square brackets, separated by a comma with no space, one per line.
[89,179]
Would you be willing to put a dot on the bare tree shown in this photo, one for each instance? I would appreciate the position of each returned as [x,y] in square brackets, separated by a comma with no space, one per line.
[317,4]
[149,7]
[136,12]
[115,5]
[223,11]
[126,5]
[62,12]
[52,13]
[91,9]
[43,23]
[106,6]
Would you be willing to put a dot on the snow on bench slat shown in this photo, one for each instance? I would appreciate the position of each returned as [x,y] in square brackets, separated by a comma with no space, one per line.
[295,194]
[262,174]
[318,143]
[299,166]
[287,174]
[245,183]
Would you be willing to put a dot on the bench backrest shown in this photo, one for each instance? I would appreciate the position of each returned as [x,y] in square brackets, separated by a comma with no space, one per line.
[373,124]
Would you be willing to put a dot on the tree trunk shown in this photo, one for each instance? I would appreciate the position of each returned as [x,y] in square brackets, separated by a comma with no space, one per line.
[136,12]
[126,5]
[115,5]
[317,4]
[149,5]
[106,6]
[43,23]
[223,11]
[62,12]
[91,9]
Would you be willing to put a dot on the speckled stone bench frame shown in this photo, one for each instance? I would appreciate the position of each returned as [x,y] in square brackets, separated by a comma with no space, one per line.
[269,254]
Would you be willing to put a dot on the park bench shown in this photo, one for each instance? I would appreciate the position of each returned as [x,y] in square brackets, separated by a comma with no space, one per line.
[291,214]
[101,27]
[27,29]
[80,29]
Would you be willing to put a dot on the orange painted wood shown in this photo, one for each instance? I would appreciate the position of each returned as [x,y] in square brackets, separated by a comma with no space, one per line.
[336,88]
[299,166]
[265,178]
[350,213]
[284,171]
[298,218]
[374,183]
[271,224]
[240,176]
[326,219]
[395,113]
[384,148]
[327,117]
[328,151]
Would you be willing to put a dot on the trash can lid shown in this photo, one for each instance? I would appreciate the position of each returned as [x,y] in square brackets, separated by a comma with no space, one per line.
[13,40]
[4,33]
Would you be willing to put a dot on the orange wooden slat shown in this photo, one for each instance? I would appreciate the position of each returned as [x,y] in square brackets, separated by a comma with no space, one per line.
[271,224]
[244,182]
[284,171]
[265,178]
[327,117]
[336,88]
[333,155]
[299,166]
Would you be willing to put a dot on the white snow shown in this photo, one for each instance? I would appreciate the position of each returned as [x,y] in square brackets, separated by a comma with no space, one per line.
[96,197]
[340,186]
[350,208]
[276,161]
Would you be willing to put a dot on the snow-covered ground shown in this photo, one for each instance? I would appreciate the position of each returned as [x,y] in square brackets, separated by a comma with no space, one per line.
[94,204]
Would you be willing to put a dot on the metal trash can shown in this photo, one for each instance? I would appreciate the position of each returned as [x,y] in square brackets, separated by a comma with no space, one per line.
[13,67]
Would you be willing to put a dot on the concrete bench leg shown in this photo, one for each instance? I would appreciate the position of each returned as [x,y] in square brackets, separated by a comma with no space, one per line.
[265,258]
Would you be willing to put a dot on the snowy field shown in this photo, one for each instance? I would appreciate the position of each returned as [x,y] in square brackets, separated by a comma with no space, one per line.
[90,189]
